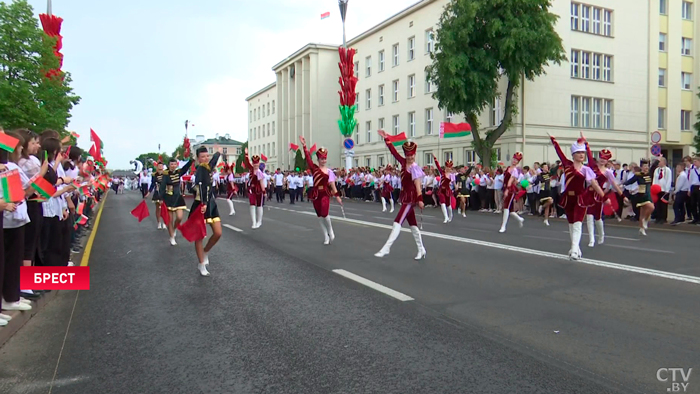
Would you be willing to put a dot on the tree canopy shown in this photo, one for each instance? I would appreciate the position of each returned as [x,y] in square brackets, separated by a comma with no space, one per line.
[477,42]
[239,160]
[28,99]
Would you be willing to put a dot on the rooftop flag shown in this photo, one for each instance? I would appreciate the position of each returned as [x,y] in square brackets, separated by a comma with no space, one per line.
[325,15]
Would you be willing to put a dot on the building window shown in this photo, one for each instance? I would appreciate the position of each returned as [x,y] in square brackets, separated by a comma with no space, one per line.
[586,65]
[273,151]
[250,115]
[381,123]
[447,155]
[395,85]
[596,20]
[428,158]
[607,68]
[273,107]
[607,23]
[468,157]
[380,159]
[662,77]
[498,154]
[429,121]
[607,114]
[586,112]
[585,18]
[596,66]
[395,51]
[412,124]
[268,129]
[368,66]
[687,11]
[574,111]
[495,118]
[268,109]
[686,80]
[357,69]
[596,113]
[574,16]
[662,119]
[686,44]
[368,98]
[263,110]
[411,48]
[662,7]
[381,95]
[429,43]
[395,124]
[381,61]
[685,120]
[357,133]
[574,63]
[412,86]
[449,116]
[368,162]
[368,129]
[428,84]
[662,42]
[357,101]
[273,128]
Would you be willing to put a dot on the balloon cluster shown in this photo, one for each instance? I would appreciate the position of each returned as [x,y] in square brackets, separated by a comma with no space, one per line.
[347,81]
[186,146]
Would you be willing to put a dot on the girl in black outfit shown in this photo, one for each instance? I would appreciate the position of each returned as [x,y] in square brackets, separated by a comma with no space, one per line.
[643,177]
[206,201]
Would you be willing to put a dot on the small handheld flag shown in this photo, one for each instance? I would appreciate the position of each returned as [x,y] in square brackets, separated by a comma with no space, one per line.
[43,188]
[325,15]
[12,190]
[397,140]
[8,142]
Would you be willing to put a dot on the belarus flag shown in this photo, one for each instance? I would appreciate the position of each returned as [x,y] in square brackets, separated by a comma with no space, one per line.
[397,140]
[325,15]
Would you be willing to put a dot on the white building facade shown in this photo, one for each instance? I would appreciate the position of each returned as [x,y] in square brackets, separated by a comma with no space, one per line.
[262,124]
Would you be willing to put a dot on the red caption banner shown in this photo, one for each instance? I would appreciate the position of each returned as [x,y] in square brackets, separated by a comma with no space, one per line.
[54,278]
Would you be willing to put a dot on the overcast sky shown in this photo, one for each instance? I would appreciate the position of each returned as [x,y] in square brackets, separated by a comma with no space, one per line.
[143,67]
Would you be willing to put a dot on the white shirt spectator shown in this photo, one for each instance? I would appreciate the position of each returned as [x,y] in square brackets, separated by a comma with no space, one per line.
[665,180]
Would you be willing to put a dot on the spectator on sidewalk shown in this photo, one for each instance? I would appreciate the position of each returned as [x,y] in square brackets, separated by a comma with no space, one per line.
[662,177]
[680,196]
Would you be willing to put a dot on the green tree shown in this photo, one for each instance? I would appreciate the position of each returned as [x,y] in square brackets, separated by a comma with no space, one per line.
[299,161]
[239,160]
[146,158]
[27,97]
[478,42]
[179,150]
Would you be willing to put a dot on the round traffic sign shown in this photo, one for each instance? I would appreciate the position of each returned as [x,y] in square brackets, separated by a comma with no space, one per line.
[656,149]
[655,137]
[348,143]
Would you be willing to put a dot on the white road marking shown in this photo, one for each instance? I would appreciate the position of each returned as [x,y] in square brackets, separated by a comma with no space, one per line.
[599,263]
[612,237]
[373,285]
[233,228]
[641,249]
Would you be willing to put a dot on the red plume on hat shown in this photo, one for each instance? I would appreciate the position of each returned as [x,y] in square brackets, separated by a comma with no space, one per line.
[409,147]
[518,156]
[322,154]
[605,154]
[449,164]
[255,159]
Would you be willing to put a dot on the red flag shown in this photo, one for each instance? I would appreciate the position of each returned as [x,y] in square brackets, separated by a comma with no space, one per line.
[397,140]
[12,190]
[164,213]
[194,229]
[313,149]
[8,142]
[95,149]
[141,211]
[293,146]
[325,15]
[263,157]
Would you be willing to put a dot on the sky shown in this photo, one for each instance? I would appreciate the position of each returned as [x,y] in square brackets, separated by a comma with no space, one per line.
[144,67]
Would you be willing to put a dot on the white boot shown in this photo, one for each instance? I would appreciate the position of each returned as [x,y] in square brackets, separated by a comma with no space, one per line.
[444,213]
[252,216]
[576,241]
[326,239]
[449,212]
[391,200]
[395,231]
[571,237]
[230,205]
[506,214]
[590,223]
[600,229]
[518,218]
[259,216]
[330,228]
[419,243]
[546,222]
[383,204]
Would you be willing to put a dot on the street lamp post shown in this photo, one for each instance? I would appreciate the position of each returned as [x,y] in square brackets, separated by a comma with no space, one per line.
[343,4]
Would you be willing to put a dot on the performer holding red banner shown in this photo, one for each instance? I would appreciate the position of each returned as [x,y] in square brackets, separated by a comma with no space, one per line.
[575,198]
[411,195]
[256,189]
[447,178]
[157,198]
[510,190]
[604,175]
[323,188]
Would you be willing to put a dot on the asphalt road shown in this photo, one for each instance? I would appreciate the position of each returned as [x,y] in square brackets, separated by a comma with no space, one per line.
[489,312]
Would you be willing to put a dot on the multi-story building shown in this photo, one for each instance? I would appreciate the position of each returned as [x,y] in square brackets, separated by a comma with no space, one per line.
[262,124]
[231,148]
[609,88]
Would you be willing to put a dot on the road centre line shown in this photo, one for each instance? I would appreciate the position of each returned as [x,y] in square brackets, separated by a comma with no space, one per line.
[374,285]
[599,263]
[233,228]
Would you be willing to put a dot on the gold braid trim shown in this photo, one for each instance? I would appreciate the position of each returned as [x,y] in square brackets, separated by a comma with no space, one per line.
[206,165]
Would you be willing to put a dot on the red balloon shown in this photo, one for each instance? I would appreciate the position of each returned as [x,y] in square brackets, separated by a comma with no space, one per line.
[477,181]
[655,190]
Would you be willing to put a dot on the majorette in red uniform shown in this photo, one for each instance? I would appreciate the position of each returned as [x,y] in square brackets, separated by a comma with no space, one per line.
[411,195]
[576,198]
[510,190]
[604,175]
[445,195]
[322,190]
[387,188]
[256,189]
[231,188]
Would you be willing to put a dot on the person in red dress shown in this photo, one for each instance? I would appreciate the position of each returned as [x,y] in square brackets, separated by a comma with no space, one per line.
[510,190]
[387,188]
[576,198]
[231,188]
[322,190]
[445,195]
[256,189]
[411,195]
[604,175]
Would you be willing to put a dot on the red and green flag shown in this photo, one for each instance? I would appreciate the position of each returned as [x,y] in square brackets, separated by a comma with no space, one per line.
[452,130]
[43,188]
[313,149]
[263,157]
[74,134]
[293,147]
[8,142]
[12,190]
[81,220]
[397,140]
